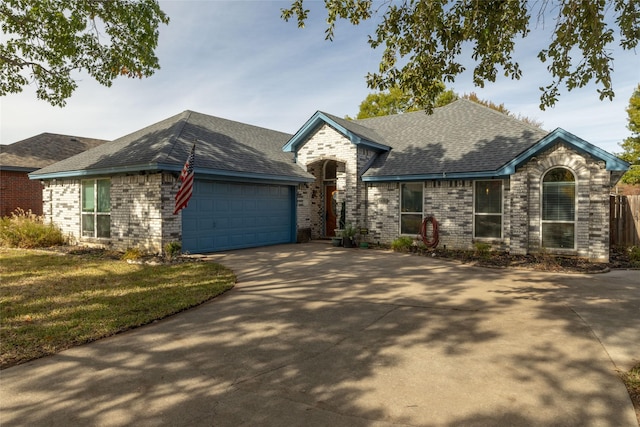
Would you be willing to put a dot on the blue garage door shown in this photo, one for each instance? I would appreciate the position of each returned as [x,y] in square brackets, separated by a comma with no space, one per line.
[223,215]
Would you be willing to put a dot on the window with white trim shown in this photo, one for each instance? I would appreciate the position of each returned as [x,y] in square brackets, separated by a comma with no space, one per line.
[96,208]
[559,209]
[487,209]
[411,207]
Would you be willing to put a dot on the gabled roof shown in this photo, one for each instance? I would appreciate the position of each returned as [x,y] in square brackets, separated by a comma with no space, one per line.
[460,140]
[42,150]
[357,134]
[223,148]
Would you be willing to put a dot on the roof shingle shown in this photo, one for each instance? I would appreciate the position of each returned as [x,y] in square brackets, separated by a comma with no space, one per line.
[44,149]
[460,137]
[221,145]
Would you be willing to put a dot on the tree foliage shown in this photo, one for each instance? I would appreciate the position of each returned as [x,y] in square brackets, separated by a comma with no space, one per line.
[396,101]
[423,40]
[631,145]
[45,41]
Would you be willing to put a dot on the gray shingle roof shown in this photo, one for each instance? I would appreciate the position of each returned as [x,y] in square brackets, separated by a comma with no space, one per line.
[44,149]
[461,137]
[355,127]
[222,145]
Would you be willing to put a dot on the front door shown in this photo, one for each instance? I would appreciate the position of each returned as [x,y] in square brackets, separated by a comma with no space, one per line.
[330,210]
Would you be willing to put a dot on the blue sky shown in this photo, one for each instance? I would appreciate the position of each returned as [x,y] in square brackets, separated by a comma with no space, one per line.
[239,60]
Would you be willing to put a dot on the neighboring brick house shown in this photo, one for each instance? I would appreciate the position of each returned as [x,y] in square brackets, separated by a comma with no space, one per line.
[481,175]
[20,158]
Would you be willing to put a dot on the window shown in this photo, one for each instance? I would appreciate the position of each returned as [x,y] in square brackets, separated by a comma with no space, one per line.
[487,210]
[410,208]
[96,208]
[558,209]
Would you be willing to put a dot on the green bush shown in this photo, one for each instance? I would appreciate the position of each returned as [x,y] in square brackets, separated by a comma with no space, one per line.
[132,254]
[172,249]
[483,249]
[402,243]
[24,229]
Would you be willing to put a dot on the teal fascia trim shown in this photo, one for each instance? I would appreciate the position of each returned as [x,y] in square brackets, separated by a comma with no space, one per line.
[316,121]
[250,176]
[158,167]
[612,162]
[96,172]
[434,176]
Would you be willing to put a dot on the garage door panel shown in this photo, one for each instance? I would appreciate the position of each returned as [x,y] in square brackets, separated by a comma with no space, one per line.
[223,216]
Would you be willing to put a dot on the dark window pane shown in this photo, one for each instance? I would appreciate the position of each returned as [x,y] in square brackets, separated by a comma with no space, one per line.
[411,198]
[410,223]
[88,225]
[104,225]
[488,226]
[558,235]
[559,175]
[488,197]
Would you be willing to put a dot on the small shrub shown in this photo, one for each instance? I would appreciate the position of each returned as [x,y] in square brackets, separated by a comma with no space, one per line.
[483,249]
[24,229]
[132,254]
[402,243]
[172,249]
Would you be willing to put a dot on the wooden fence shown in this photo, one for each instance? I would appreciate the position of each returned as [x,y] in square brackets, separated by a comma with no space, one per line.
[625,220]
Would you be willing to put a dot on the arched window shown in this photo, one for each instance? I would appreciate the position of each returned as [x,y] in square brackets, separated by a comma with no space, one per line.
[559,209]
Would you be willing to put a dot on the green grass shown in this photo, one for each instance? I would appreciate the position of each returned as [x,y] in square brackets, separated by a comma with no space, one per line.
[632,381]
[50,302]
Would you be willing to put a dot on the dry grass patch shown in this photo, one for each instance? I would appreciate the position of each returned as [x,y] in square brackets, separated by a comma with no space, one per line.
[632,381]
[50,302]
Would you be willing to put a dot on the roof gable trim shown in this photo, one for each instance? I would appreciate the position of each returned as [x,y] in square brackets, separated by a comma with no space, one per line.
[317,120]
[612,162]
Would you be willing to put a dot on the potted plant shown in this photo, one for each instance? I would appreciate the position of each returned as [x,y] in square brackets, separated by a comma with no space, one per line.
[348,234]
[337,239]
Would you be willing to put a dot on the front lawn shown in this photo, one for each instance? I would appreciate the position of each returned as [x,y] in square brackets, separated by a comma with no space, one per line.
[50,301]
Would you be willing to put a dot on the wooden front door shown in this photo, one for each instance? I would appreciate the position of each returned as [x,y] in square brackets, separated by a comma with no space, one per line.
[330,210]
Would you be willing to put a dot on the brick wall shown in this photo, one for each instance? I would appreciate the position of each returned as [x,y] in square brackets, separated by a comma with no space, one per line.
[329,144]
[141,211]
[136,212]
[592,205]
[449,201]
[61,205]
[18,191]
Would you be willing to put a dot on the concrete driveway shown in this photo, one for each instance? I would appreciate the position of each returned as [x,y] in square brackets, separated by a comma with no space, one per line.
[319,336]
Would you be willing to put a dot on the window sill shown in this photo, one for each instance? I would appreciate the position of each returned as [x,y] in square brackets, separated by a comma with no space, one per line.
[98,241]
[491,240]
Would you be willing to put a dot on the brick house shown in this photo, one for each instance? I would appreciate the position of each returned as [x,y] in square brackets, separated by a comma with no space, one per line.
[481,175]
[121,194]
[17,160]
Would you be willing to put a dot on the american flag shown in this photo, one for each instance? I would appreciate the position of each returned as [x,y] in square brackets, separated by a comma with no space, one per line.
[186,188]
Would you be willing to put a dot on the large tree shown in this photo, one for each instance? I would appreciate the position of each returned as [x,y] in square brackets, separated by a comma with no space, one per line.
[423,40]
[631,145]
[396,101]
[45,41]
